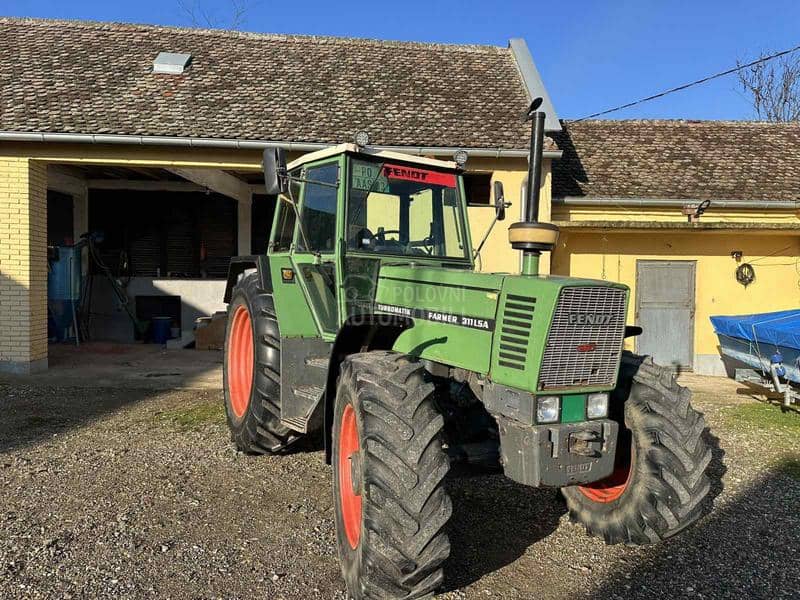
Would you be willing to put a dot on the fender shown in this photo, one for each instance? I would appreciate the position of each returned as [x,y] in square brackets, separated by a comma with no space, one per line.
[359,333]
[240,264]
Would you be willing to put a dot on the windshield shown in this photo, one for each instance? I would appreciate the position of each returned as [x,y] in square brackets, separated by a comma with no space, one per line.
[407,210]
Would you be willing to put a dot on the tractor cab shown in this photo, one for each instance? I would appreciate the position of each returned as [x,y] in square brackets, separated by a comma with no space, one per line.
[346,211]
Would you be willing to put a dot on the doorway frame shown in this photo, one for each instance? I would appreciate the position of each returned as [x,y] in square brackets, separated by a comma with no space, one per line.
[692,309]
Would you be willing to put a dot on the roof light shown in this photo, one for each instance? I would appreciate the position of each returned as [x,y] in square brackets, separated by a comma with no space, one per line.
[171,62]
[362,139]
[461,158]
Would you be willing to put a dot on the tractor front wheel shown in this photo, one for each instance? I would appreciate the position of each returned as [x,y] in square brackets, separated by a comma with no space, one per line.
[251,370]
[659,480]
[388,469]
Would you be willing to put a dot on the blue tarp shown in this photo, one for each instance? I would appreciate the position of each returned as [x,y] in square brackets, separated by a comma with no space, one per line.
[771,329]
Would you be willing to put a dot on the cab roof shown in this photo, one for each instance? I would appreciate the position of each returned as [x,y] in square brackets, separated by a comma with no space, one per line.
[385,154]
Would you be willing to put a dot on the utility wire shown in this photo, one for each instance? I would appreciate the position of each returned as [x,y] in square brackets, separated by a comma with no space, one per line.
[688,85]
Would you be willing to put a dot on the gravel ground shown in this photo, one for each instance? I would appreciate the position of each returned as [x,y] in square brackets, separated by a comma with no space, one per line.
[134,494]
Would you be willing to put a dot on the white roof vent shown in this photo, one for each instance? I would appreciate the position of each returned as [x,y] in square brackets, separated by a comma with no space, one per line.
[171,62]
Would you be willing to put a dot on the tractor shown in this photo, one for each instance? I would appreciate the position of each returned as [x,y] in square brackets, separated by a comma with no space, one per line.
[367,320]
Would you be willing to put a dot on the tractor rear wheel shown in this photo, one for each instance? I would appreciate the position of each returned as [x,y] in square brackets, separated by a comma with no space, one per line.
[659,481]
[388,470]
[251,371]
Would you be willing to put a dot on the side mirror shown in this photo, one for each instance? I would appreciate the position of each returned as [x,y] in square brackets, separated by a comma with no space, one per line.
[275,180]
[499,201]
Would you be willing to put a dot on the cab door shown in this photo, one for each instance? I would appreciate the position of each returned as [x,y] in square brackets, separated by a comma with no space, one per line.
[302,264]
[316,246]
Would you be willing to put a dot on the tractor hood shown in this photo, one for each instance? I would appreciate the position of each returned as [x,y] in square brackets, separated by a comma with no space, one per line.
[498,324]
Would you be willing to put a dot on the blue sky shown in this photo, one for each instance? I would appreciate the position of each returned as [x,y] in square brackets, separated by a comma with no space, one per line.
[592,54]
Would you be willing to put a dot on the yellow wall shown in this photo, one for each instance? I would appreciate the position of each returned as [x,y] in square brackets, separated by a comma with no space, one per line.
[23,265]
[497,254]
[612,256]
[144,156]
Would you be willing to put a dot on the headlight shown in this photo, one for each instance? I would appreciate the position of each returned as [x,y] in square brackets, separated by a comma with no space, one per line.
[547,409]
[597,406]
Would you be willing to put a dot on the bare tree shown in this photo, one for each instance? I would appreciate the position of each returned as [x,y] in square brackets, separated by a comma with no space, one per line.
[774,87]
[200,16]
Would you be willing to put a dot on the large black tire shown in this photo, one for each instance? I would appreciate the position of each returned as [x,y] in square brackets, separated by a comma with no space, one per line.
[257,428]
[398,466]
[660,483]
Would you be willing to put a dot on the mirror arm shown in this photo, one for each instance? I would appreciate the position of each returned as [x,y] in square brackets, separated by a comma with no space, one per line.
[489,231]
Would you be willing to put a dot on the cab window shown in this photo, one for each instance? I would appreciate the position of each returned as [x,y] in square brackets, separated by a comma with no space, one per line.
[404,210]
[285,217]
[318,213]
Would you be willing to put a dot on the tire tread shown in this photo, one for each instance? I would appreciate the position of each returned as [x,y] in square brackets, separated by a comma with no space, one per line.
[261,431]
[672,471]
[405,503]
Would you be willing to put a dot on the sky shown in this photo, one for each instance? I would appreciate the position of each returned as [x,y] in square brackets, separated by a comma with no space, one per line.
[592,55]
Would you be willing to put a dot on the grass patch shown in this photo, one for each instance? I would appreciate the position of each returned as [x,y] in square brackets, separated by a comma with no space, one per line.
[760,415]
[194,417]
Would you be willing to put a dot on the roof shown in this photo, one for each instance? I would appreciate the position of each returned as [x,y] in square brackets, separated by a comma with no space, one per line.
[96,78]
[385,154]
[692,160]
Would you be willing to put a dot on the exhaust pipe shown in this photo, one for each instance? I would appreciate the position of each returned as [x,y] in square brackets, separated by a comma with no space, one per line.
[535,168]
[530,236]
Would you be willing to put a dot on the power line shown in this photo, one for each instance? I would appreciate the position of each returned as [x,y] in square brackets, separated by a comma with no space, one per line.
[688,85]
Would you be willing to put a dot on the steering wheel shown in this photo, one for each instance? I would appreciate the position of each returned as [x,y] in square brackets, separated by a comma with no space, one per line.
[382,234]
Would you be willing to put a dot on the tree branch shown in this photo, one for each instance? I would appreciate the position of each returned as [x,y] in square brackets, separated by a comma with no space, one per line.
[774,88]
[199,15]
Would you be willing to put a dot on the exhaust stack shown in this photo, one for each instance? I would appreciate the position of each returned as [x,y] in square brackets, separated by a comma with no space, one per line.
[530,236]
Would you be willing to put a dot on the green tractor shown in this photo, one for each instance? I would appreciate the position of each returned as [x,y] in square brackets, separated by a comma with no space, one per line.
[366,320]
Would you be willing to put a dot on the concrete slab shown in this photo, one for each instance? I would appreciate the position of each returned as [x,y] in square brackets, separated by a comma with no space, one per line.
[127,366]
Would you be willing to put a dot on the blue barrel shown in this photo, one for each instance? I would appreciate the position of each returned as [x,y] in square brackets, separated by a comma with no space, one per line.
[63,292]
[64,277]
[161,329]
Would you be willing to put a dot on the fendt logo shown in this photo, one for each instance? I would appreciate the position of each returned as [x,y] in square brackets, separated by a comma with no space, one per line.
[589,318]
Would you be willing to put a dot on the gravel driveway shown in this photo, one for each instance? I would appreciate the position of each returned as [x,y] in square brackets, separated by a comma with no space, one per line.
[132,493]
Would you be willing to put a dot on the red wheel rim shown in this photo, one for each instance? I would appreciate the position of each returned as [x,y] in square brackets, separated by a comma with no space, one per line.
[240,361]
[612,487]
[349,500]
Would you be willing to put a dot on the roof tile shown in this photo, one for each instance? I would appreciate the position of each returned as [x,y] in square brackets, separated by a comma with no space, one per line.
[692,160]
[79,77]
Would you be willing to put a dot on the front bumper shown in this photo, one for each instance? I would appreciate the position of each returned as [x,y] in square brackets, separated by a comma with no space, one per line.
[557,455]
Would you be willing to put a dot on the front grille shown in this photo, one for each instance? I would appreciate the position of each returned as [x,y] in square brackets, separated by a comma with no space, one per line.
[585,340]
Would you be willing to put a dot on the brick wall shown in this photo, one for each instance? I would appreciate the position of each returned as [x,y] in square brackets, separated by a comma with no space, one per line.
[23,265]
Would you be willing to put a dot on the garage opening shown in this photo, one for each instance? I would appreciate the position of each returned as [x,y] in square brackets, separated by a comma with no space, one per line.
[147,249]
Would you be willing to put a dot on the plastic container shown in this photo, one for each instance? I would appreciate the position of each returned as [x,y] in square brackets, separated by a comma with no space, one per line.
[160,327]
[64,277]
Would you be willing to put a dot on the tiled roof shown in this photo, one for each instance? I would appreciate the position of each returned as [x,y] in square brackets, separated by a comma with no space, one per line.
[78,77]
[723,160]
